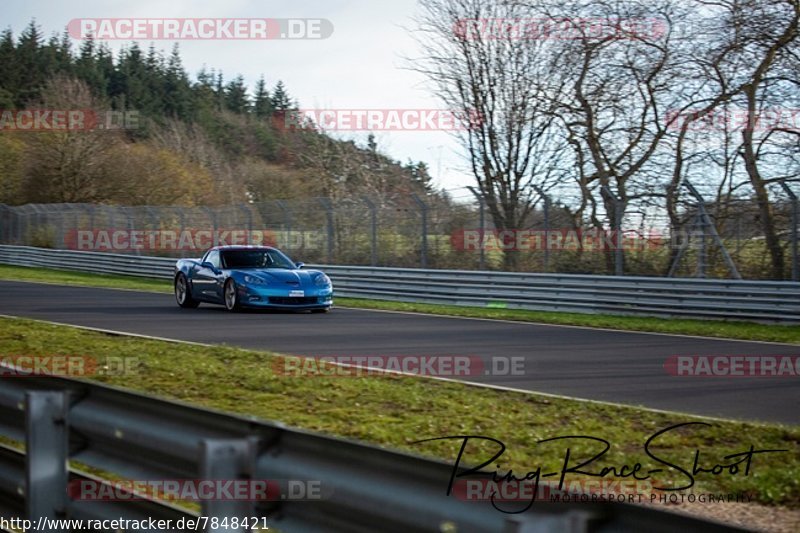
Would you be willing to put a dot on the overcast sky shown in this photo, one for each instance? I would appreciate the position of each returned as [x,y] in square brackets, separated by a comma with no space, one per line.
[359,67]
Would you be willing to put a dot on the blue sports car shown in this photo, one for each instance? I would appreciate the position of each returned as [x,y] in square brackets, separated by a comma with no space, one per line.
[251,276]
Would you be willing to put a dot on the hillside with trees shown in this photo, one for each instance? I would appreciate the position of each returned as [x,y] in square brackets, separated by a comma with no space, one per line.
[202,140]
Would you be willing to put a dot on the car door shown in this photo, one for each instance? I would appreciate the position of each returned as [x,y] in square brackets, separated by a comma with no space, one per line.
[207,282]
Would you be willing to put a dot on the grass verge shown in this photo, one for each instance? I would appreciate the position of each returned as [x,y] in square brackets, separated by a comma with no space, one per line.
[394,411]
[706,328]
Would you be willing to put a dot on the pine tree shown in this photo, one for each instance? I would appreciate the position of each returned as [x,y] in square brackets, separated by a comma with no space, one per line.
[204,90]
[88,69]
[104,63]
[262,105]
[236,98]
[57,56]
[219,91]
[9,74]
[280,98]
[420,174]
[178,98]
[30,67]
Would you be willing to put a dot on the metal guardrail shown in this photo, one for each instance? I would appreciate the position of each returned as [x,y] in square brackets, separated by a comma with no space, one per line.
[101,263]
[667,297]
[142,438]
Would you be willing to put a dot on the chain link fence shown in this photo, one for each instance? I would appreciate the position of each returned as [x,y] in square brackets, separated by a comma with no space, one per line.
[709,240]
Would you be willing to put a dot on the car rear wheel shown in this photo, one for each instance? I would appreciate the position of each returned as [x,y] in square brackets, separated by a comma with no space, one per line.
[182,293]
[231,296]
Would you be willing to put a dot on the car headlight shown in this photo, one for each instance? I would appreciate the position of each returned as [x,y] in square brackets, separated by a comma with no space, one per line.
[322,281]
[252,280]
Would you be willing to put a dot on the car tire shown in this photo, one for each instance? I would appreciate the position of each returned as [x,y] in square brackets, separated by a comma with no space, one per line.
[183,295]
[231,296]
[325,310]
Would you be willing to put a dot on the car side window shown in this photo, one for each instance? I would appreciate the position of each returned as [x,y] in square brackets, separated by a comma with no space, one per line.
[213,258]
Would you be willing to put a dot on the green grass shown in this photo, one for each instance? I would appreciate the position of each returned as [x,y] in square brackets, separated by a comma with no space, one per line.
[394,411]
[71,277]
[706,328]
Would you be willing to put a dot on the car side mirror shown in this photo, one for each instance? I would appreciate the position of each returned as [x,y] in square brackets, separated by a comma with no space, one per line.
[210,266]
[300,264]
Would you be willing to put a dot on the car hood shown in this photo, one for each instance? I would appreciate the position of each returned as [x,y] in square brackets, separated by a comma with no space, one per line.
[280,275]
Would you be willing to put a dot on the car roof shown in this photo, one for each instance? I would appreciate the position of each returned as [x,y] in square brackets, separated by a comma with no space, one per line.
[241,247]
[234,247]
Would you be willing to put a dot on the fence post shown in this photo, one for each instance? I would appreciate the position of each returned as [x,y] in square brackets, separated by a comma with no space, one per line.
[326,204]
[423,211]
[793,232]
[5,219]
[482,223]
[129,218]
[213,216]
[287,223]
[249,216]
[182,221]
[40,225]
[702,251]
[46,454]
[706,219]
[547,202]
[155,222]
[111,217]
[91,209]
[373,215]
[618,259]
[20,215]
[78,210]
[684,246]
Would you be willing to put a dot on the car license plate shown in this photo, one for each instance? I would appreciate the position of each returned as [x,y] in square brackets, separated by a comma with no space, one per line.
[296,294]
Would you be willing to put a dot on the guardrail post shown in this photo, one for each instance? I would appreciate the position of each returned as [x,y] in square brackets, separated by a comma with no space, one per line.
[373,241]
[223,459]
[423,212]
[795,221]
[47,448]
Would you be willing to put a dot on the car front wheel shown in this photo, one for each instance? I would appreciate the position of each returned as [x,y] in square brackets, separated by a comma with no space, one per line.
[231,296]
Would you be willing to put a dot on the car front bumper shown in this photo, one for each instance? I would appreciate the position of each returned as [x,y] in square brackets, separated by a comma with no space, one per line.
[268,297]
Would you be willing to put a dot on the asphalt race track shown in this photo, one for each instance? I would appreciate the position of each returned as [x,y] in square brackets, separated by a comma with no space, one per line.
[586,363]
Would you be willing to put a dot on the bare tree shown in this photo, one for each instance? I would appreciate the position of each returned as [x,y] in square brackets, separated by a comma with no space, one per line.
[506,88]
[623,81]
[69,165]
[746,74]
[762,89]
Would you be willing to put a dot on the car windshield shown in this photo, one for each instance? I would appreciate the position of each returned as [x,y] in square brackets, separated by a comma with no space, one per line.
[255,259]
